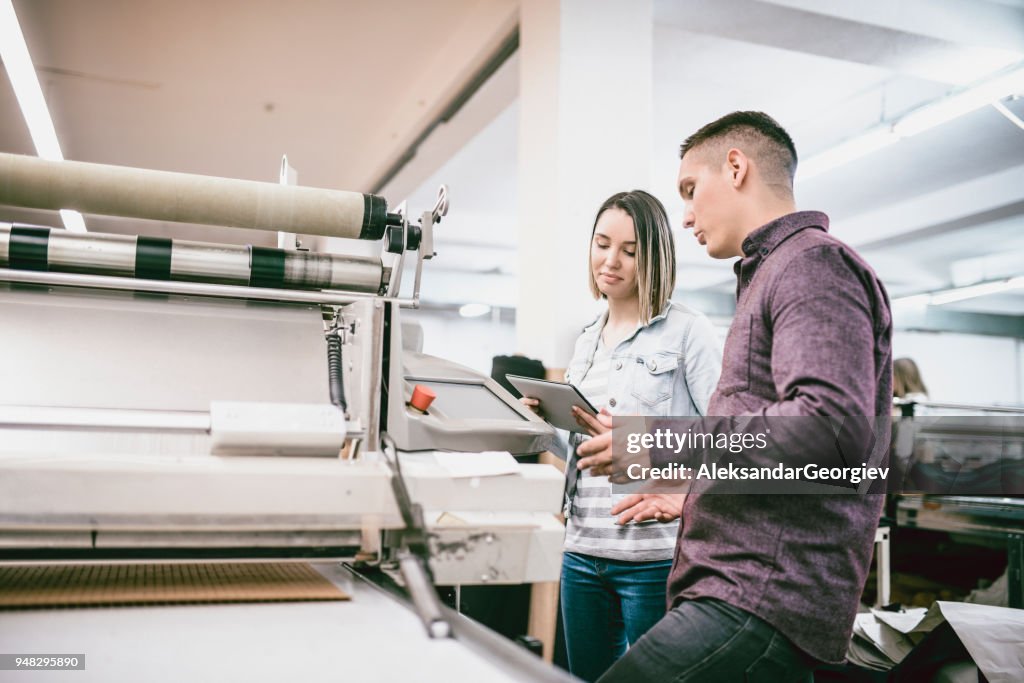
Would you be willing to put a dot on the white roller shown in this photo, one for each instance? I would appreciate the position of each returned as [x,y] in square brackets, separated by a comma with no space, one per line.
[184,198]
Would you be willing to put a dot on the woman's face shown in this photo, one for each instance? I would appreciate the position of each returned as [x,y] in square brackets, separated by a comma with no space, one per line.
[613,254]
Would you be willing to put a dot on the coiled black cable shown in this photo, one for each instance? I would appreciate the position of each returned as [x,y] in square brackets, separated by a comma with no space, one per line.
[335,371]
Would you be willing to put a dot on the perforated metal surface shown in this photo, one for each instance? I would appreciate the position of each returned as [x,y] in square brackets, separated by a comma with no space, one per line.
[138,584]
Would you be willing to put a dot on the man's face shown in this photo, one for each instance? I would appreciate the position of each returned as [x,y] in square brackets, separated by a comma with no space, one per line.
[711,203]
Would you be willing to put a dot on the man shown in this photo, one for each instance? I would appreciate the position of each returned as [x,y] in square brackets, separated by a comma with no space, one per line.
[764,587]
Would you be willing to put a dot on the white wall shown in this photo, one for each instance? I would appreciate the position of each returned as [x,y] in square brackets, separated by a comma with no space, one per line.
[472,342]
[966,368]
[961,368]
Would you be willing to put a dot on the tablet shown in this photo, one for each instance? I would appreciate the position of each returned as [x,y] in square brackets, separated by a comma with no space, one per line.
[556,400]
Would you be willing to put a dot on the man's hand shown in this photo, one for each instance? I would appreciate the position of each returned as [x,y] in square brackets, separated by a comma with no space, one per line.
[641,507]
[596,453]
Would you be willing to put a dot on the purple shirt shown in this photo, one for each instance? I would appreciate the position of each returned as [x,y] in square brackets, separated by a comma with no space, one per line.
[811,337]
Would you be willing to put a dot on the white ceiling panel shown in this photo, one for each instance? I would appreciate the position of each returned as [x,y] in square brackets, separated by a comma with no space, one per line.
[225,87]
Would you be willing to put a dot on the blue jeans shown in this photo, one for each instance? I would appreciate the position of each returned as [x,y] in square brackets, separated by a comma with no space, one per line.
[606,606]
[710,640]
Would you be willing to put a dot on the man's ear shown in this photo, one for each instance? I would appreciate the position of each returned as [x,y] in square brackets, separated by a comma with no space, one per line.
[738,165]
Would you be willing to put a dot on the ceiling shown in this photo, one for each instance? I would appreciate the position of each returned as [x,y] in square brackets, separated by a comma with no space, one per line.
[225,87]
[828,71]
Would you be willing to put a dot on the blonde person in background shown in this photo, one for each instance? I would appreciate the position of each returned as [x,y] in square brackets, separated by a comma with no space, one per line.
[907,383]
[646,355]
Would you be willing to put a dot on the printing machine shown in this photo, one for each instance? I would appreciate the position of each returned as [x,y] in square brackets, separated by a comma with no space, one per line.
[961,471]
[172,401]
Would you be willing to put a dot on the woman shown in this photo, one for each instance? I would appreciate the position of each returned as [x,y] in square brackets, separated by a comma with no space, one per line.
[908,386]
[644,356]
[906,381]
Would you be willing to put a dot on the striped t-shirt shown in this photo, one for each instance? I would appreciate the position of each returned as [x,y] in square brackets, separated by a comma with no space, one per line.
[590,528]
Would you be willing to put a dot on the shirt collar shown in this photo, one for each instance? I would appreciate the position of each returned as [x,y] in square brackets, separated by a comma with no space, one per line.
[765,239]
[660,316]
[770,235]
[598,325]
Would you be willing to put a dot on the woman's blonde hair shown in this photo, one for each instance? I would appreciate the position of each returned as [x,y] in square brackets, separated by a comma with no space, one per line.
[906,378]
[655,250]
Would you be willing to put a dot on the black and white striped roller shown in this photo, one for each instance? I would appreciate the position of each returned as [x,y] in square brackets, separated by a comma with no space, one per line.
[30,247]
[35,183]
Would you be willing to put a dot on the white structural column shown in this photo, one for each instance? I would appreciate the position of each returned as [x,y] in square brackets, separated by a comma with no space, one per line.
[584,133]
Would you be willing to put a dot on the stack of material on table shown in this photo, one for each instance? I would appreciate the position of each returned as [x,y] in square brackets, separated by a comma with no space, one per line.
[992,636]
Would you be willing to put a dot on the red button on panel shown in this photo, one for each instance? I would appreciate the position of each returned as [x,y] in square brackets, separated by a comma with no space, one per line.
[422,397]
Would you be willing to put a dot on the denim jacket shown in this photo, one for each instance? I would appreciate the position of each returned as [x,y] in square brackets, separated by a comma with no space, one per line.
[668,367]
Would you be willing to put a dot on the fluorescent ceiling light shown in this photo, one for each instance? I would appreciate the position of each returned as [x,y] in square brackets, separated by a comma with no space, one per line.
[1005,111]
[72,220]
[957,104]
[25,82]
[988,268]
[974,291]
[846,151]
[474,310]
[923,118]
[960,64]
[949,296]
[914,301]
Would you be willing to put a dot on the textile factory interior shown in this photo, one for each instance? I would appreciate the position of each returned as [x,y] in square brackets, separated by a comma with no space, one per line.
[266,268]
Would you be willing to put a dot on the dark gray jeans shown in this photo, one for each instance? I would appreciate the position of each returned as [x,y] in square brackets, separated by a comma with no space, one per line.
[709,640]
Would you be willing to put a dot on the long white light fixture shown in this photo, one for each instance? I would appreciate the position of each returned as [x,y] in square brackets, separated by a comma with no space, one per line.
[474,310]
[949,296]
[29,94]
[1010,116]
[845,152]
[945,109]
[957,104]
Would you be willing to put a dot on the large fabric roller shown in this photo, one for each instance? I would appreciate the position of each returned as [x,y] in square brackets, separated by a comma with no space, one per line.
[29,247]
[35,183]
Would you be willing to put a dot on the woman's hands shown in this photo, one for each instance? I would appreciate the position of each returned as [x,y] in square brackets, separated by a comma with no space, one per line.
[591,424]
[641,507]
[532,403]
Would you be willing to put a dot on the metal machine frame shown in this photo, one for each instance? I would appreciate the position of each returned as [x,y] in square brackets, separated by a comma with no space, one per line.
[386,524]
[983,518]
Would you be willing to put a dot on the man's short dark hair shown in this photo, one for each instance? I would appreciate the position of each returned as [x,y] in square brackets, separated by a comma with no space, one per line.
[765,140]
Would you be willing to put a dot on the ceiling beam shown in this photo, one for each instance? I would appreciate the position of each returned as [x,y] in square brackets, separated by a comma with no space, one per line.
[467,49]
[972,202]
[933,319]
[907,47]
[966,22]
[492,90]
